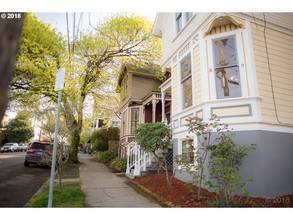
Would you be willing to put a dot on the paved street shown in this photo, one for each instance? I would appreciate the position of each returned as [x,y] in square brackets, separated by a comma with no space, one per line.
[18,183]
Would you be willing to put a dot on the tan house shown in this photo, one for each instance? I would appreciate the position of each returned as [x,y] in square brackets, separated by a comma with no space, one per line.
[239,67]
[140,100]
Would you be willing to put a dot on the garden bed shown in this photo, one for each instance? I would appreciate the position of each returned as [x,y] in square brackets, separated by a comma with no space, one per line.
[181,194]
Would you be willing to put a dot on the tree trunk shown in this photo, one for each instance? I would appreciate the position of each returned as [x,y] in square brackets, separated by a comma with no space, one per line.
[10,32]
[75,138]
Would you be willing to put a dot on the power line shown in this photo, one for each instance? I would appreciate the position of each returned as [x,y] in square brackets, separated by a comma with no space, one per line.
[270,73]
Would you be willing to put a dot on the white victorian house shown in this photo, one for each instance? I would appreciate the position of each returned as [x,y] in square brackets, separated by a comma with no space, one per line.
[239,67]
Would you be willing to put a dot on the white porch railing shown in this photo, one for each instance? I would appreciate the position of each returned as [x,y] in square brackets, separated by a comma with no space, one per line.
[137,160]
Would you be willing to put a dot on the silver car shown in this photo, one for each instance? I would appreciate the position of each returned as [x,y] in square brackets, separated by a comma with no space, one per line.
[9,147]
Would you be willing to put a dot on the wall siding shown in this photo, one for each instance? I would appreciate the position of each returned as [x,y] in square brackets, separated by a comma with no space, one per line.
[281,65]
[171,42]
[143,86]
[196,75]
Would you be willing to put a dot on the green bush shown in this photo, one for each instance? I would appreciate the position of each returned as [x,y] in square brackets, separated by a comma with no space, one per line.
[101,137]
[119,164]
[99,144]
[106,156]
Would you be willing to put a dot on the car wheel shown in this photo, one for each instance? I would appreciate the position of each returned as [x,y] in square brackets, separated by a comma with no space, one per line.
[26,164]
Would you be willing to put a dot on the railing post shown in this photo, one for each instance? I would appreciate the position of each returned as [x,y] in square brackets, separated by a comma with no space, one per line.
[128,158]
[137,161]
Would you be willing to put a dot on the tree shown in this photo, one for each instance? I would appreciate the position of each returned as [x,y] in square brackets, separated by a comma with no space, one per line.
[154,137]
[89,69]
[48,127]
[10,30]
[207,133]
[18,130]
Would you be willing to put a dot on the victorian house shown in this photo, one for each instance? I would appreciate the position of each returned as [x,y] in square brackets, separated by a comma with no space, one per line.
[239,67]
[140,101]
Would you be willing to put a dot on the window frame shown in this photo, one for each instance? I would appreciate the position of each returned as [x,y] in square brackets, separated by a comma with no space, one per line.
[179,21]
[217,69]
[131,131]
[239,44]
[193,164]
[184,80]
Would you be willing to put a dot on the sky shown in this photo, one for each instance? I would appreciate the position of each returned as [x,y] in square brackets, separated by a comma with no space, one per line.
[83,20]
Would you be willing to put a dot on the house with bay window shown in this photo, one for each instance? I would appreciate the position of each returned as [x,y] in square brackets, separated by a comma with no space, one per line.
[140,100]
[239,67]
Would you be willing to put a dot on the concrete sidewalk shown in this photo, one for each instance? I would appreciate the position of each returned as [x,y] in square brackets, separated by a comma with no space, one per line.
[103,188]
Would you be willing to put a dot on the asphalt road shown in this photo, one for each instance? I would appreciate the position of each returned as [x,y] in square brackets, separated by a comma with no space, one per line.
[18,183]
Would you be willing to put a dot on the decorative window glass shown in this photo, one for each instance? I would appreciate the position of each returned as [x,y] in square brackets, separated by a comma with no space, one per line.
[187,150]
[134,119]
[188,16]
[186,81]
[227,75]
[178,20]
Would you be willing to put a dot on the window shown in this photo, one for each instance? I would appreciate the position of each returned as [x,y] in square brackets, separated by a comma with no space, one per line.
[186,81]
[181,18]
[187,150]
[226,68]
[134,119]
[188,16]
[178,20]
[124,87]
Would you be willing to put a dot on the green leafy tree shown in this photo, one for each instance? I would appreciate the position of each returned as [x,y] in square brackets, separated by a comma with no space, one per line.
[89,69]
[48,127]
[18,130]
[154,137]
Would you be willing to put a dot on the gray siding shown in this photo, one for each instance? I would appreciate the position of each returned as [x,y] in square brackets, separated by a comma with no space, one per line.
[270,165]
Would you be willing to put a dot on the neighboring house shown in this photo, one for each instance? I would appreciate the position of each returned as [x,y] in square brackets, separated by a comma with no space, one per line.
[140,101]
[239,67]
[4,122]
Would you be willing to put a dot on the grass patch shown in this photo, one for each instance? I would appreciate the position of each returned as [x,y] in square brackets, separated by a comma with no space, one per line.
[70,197]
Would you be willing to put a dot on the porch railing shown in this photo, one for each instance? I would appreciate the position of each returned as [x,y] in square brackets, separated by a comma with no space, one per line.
[137,160]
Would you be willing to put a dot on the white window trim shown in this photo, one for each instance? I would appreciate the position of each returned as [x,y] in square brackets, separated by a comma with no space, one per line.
[140,118]
[180,167]
[189,52]
[184,23]
[240,58]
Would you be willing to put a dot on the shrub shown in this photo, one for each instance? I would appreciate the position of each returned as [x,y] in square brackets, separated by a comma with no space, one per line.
[225,161]
[106,156]
[102,136]
[152,137]
[119,164]
[99,144]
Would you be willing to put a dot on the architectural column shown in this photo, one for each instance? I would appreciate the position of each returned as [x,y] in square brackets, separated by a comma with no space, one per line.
[154,103]
[163,105]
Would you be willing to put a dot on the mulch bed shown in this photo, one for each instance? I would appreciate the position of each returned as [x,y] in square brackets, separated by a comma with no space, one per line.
[181,194]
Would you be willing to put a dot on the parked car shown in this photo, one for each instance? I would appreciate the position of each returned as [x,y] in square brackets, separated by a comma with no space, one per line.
[21,147]
[39,153]
[9,147]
